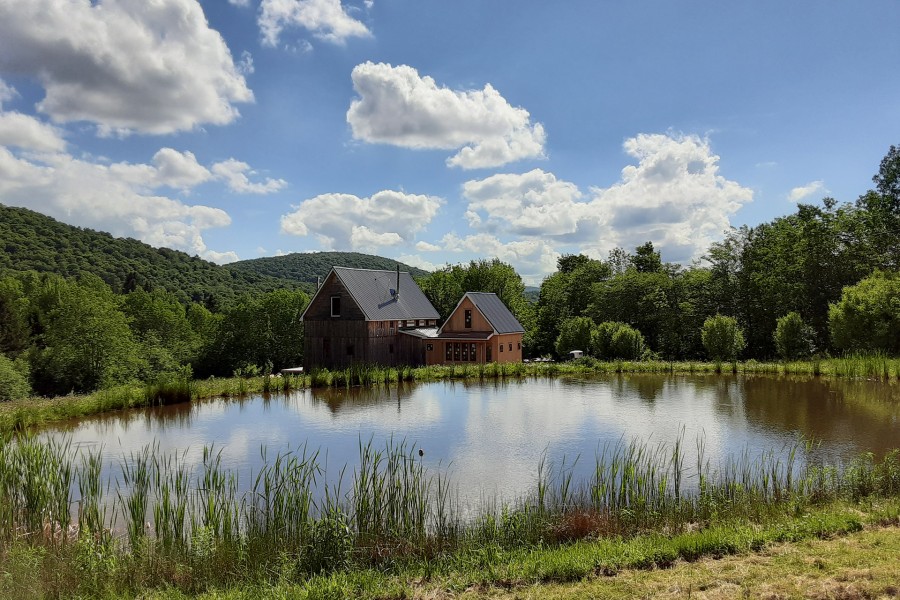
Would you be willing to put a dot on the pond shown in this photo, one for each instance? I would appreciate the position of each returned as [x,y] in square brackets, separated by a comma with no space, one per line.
[492,435]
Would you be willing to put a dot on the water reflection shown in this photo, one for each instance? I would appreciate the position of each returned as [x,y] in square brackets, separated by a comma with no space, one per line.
[493,434]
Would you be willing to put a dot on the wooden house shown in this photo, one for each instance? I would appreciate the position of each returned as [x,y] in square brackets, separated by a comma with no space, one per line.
[360,316]
[481,329]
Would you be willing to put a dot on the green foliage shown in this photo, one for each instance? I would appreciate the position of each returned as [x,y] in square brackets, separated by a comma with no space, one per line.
[722,338]
[574,334]
[14,329]
[259,331]
[867,316]
[88,341]
[307,266]
[612,340]
[646,259]
[30,241]
[793,337]
[13,379]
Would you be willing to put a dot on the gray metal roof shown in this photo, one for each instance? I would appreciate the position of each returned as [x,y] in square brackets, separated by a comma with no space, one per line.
[493,309]
[371,289]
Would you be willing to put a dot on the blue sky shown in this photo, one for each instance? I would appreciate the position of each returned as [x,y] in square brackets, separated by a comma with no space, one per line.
[438,132]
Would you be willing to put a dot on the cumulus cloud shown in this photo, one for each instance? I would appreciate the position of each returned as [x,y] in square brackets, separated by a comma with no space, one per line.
[804,191]
[113,198]
[674,196]
[532,258]
[326,19]
[398,106]
[342,221]
[7,92]
[26,132]
[125,65]
[234,174]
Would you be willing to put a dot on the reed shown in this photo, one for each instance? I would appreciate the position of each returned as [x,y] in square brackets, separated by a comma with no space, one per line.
[198,526]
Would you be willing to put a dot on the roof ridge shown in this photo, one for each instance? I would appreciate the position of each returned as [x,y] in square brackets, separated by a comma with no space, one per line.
[364,269]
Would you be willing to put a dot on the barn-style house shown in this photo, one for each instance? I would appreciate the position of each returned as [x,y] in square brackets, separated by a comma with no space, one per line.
[382,317]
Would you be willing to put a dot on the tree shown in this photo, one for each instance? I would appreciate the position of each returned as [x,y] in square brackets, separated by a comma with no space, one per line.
[646,259]
[13,381]
[14,329]
[793,337]
[574,334]
[88,341]
[867,316]
[722,338]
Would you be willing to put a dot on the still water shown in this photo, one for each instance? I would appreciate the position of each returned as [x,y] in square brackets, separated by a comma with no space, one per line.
[491,436]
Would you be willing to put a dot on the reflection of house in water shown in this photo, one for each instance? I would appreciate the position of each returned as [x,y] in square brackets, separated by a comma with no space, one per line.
[366,316]
[347,400]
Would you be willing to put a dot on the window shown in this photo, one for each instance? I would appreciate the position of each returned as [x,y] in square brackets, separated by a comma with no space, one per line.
[456,351]
[449,355]
[421,323]
[468,319]
[510,346]
[350,350]
[335,306]
[472,353]
[518,345]
[501,347]
[465,352]
[429,347]
[410,323]
[487,354]
[432,322]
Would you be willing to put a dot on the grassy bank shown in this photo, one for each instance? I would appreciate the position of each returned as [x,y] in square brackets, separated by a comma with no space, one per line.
[22,414]
[392,525]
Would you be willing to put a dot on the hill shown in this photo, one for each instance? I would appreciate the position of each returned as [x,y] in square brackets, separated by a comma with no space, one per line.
[32,241]
[307,266]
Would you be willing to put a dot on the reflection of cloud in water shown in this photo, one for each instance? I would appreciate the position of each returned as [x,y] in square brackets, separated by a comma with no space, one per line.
[494,433]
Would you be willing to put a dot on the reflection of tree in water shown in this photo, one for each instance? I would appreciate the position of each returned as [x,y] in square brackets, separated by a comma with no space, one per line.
[348,399]
[646,386]
[861,415]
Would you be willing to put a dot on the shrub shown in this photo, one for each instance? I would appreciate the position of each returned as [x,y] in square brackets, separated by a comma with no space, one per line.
[574,334]
[722,337]
[793,337]
[13,379]
[614,340]
[867,317]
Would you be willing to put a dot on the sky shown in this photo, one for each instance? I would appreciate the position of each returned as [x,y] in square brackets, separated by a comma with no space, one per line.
[440,132]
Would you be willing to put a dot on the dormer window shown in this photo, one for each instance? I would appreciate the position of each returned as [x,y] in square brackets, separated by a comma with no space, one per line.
[335,306]
[468,319]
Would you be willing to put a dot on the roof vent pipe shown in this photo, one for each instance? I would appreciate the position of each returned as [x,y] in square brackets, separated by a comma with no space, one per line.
[397,295]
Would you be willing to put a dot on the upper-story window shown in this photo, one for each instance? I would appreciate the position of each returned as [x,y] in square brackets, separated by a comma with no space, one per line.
[468,319]
[335,306]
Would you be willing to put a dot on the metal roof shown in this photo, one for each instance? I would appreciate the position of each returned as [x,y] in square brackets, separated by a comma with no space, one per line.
[371,289]
[493,309]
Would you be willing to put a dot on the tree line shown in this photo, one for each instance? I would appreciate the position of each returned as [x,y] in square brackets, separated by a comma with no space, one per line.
[823,280]
[60,335]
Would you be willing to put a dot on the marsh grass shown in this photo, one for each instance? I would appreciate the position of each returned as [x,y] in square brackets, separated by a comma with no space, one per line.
[163,522]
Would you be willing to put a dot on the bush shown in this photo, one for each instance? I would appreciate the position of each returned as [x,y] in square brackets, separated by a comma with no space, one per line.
[722,338]
[13,379]
[574,334]
[612,340]
[867,317]
[793,337]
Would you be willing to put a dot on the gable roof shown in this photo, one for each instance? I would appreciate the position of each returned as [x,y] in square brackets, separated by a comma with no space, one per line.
[493,309]
[371,290]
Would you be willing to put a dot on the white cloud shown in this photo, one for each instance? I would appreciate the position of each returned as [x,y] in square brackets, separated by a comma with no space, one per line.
[673,197]
[343,221]
[245,65]
[126,65]
[7,92]
[414,260]
[111,198]
[234,174]
[325,19]
[532,258]
[242,3]
[397,106]
[29,133]
[805,191]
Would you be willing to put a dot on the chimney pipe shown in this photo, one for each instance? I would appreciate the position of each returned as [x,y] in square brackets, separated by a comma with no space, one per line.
[398,281]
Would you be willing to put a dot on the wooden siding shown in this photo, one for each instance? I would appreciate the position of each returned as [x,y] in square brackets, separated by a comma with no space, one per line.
[457,320]
[320,309]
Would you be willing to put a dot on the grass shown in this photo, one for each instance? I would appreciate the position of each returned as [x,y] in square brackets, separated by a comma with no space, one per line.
[24,414]
[165,525]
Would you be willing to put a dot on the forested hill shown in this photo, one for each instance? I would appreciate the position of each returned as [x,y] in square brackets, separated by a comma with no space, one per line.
[306,267]
[32,241]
